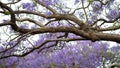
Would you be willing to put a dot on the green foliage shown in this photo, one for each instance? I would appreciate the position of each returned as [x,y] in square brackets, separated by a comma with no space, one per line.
[90,1]
[7,13]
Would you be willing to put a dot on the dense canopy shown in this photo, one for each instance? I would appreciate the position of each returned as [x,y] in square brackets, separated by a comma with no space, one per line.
[59,33]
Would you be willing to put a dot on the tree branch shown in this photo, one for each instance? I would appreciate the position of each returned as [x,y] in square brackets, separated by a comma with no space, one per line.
[30,20]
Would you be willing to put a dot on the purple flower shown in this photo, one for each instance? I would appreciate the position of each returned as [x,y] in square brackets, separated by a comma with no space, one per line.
[47,2]
[76,2]
[4,21]
[48,13]
[96,5]
[28,6]
[109,3]
[54,24]
[11,61]
[72,35]
[56,1]
[115,49]
[1,48]
[4,43]
[112,14]
[12,43]
[89,22]
[25,26]
[100,47]
[94,17]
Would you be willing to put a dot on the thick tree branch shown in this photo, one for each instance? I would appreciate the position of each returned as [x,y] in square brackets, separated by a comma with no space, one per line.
[4,24]
[110,28]
[12,16]
[115,65]
[91,35]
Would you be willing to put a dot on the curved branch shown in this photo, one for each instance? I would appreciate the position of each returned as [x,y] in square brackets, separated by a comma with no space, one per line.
[115,65]
[30,20]
[105,21]
[110,28]
[31,12]
[13,2]
[84,10]
[46,6]
[4,24]
[12,16]
[39,46]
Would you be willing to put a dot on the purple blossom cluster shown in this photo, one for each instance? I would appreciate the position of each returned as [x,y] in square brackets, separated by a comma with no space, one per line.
[50,2]
[106,8]
[96,5]
[47,2]
[84,55]
[25,26]
[112,14]
[28,6]
[76,2]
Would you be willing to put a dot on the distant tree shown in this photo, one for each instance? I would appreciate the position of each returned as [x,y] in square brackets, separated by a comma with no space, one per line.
[84,55]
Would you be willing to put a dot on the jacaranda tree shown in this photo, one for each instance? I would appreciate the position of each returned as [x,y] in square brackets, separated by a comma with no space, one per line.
[59,33]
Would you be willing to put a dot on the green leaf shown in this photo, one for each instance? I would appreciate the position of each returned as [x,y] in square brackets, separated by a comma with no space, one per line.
[34,2]
[115,23]
[91,1]
[7,13]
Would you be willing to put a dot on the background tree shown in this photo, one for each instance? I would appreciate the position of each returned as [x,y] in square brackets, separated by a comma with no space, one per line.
[45,26]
